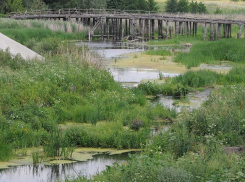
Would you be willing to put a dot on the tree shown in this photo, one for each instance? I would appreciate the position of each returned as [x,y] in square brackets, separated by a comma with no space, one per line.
[202,8]
[152,5]
[11,6]
[17,5]
[183,6]
[171,6]
[193,7]
[147,5]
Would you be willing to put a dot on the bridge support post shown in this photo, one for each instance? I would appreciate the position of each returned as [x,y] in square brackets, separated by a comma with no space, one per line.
[120,29]
[219,30]
[193,29]
[205,31]
[102,28]
[224,30]
[126,27]
[88,22]
[230,31]
[140,27]
[244,31]
[196,29]
[131,28]
[115,28]
[180,28]
[152,28]
[190,28]
[215,31]
[176,28]
[239,34]
[186,28]
[108,28]
[147,29]
[211,31]
[167,30]
[160,33]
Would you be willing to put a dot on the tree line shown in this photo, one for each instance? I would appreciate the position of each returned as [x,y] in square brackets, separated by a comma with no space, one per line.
[7,6]
[172,6]
[183,6]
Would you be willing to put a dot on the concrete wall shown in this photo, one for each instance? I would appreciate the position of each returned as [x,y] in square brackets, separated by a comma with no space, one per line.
[17,48]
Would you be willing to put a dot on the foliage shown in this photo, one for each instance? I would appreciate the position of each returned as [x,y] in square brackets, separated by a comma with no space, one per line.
[148,5]
[36,33]
[67,86]
[160,52]
[208,52]
[193,147]
[197,79]
[168,88]
[183,6]
[11,6]
[218,11]
[171,6]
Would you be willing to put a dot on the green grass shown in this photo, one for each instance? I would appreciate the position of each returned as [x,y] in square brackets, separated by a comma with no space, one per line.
[24,31]
[159,52]
[211,52]
[192,149]
[68,87]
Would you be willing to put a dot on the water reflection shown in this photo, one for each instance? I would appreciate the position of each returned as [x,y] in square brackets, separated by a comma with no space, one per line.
[194,100]
[111,50]
[53,173]
[134,75]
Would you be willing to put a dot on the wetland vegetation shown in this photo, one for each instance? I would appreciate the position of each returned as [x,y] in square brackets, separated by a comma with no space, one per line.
[71,100]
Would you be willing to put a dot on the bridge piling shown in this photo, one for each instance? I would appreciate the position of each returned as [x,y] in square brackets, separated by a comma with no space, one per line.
[219,30]
[152,29]
[205,31]
[120,29]
[108,28]
[176,28]
[167,29]
[211,32]
[147,29]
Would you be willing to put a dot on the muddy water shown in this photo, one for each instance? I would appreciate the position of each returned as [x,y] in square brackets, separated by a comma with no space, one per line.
[113,51]
[53,173]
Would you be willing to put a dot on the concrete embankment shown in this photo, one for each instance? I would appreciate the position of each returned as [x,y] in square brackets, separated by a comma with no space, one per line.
[17,48]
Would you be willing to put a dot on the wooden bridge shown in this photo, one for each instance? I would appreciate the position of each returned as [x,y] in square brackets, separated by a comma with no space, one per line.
[117,24]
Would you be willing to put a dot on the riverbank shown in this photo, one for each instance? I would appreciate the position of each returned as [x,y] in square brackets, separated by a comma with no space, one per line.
[39,100]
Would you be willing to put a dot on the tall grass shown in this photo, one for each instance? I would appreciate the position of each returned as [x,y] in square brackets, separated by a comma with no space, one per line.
[70,85]
[38,35]
[53,25]
[210,52]
[193,148]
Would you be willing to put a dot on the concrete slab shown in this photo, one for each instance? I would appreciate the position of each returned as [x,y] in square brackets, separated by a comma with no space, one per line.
[17,48]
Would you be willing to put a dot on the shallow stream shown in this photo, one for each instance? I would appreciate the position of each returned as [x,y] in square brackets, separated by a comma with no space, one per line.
[110,51]
[59,172]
